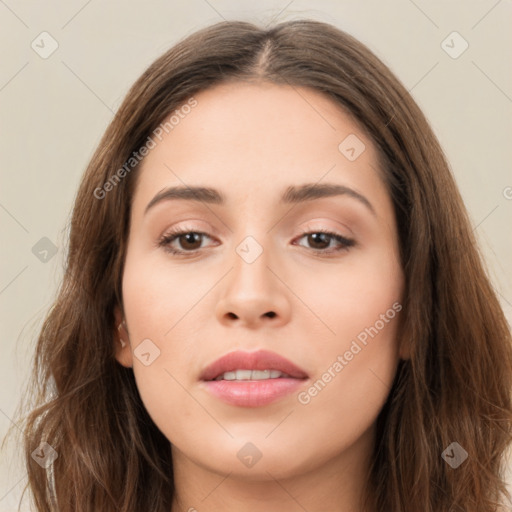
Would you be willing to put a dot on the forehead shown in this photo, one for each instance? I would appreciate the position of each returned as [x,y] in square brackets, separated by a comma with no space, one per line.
[266,114]
[247,138]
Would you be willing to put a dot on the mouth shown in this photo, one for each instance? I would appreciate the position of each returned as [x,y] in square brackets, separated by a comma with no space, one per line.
[260,365]
[252,379]
[239,375]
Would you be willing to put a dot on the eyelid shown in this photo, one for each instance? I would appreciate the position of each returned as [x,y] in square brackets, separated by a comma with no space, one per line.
[210,233]
[321,222]
[310,226]
[177,231]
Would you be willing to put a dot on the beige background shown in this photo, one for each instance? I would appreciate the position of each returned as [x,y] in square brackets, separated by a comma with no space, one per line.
[54,111]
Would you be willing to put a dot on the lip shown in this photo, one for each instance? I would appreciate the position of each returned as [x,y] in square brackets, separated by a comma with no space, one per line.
[252,393]
[260,360]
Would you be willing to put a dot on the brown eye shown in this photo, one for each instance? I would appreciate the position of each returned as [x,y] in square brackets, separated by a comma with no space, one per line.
[187,242]
[319,240]
[190,241]
[182,242]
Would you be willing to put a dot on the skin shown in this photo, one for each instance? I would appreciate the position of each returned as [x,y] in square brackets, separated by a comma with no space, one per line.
[252,141]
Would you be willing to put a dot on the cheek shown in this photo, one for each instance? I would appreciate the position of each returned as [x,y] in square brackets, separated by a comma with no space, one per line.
[356,369]
[351,297]
[156,295]
[159,307]
[356,358]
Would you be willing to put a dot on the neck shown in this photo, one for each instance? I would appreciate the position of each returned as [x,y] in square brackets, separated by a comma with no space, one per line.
[336,485]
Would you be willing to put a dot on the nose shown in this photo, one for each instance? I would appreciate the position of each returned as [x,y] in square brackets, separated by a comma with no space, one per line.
[253,295]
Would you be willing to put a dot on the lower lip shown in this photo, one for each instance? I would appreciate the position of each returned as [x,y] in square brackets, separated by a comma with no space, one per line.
[252,393]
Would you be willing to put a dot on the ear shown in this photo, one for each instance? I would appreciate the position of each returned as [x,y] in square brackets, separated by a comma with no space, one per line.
[403,338]
[405,350]
[404,341]
[122,346]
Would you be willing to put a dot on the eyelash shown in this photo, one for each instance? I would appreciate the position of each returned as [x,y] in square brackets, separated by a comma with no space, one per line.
[172,235]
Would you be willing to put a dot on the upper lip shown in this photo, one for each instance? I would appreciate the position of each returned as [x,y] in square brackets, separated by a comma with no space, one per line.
[260,360]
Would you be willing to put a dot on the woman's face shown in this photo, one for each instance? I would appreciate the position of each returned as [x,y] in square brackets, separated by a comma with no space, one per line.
[253,281]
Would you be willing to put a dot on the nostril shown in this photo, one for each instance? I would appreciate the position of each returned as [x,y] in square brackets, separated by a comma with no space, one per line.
[270,314]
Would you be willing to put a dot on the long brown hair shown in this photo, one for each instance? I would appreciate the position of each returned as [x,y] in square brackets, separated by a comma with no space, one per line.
[455,387]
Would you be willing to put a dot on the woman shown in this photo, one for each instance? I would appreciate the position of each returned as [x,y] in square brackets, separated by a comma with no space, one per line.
[328,341]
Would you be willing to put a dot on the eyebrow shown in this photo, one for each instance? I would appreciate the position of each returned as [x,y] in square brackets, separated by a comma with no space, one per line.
[292,194]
